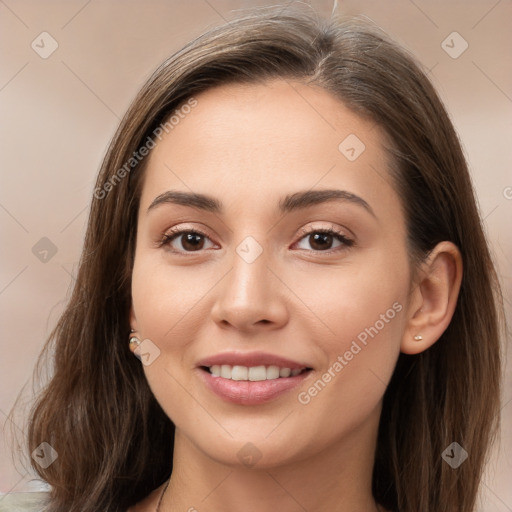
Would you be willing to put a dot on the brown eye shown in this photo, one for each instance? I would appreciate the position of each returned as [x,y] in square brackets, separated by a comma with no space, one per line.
[186,241]
[322,240]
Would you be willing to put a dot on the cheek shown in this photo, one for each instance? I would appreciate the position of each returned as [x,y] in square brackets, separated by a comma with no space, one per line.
[363,306]
[362,300]
[165,304]
[165,299]
[360,361]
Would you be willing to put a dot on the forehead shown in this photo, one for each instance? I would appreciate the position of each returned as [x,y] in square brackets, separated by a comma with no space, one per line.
[254,143]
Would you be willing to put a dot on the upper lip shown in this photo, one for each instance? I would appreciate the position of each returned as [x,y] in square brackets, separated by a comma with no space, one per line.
[250,359]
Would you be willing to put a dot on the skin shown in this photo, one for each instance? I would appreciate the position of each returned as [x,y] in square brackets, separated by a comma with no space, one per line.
[248,146]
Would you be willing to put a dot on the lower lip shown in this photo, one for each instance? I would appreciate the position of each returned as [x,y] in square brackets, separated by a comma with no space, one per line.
[250,393]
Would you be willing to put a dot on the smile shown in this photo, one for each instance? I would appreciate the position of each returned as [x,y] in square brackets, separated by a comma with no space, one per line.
[252,373]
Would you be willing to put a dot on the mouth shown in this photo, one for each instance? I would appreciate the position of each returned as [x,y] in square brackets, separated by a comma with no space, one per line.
[251,379]
[253,373]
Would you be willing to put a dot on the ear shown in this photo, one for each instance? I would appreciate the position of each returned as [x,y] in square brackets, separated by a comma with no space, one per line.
[133,320]
[433,299]
[133,327]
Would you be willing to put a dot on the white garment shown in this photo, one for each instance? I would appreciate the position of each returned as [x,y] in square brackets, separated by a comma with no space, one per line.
[23,501]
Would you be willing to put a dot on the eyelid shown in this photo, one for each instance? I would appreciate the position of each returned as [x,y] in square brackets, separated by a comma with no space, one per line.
[334,229]
[347,241]
[173,233]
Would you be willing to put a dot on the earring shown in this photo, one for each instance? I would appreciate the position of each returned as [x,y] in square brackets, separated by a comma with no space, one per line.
[134,341]
[418,337]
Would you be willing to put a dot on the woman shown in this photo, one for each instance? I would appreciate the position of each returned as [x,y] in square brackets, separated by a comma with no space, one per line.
[284,234]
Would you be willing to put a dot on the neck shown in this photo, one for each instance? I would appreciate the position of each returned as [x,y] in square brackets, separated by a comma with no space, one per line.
[338,478]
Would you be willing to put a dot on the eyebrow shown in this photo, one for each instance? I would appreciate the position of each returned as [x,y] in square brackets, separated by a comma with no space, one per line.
[289,203]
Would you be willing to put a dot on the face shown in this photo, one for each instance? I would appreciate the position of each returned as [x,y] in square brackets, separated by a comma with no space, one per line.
[270,277]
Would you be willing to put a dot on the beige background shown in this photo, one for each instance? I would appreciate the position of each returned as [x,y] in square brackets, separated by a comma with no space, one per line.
[58,114]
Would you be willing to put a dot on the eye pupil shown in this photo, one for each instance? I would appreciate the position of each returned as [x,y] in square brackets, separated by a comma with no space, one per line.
[323,238]
[194,241]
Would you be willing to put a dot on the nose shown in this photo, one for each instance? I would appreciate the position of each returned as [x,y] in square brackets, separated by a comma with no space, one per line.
[251,297]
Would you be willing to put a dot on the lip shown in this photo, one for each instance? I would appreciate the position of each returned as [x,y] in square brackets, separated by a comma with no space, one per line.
[251,359]
[250,392]
[244,392]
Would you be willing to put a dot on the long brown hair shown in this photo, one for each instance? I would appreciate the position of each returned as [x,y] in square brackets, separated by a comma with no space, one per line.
[113,440]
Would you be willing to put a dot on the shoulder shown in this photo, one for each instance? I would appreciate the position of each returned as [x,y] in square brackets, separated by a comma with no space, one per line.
[148,504]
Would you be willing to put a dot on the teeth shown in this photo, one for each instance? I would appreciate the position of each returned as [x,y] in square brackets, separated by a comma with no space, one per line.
[239,373]
[257,373]
[225,371]
[253,373]
[273,372]
[284,372]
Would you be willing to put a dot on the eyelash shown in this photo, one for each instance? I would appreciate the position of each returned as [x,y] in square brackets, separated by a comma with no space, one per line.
[174,233]
[346,242]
